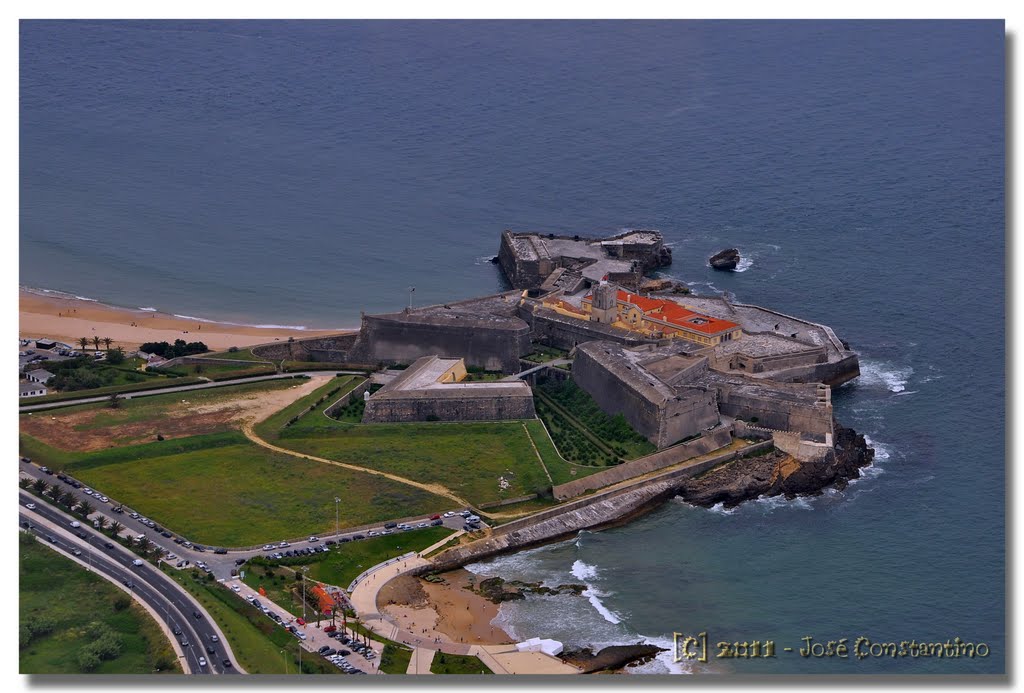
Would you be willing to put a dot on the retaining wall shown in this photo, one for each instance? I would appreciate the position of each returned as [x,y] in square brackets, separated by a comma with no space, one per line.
[708,442]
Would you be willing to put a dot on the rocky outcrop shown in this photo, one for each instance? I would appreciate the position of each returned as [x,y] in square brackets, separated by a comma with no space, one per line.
[778,474]
[497,590]
[725,260]
[610,658]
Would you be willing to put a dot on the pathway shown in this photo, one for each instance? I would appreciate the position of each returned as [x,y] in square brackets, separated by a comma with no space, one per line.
[420,661]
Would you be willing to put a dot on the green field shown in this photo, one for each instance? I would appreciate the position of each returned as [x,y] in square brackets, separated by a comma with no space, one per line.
[482,462]
[347,560]
[222,489]
[240,355]
[457,664]
[260,646]
[150,384]
[395,658]
[59,603]
[217,371]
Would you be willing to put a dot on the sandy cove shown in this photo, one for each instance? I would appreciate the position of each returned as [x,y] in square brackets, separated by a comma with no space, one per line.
[68,319]
[447,612]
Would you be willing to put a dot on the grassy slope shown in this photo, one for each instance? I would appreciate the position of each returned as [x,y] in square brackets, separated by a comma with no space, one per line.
[346,561]
[83,598]
[457,664]
[222,489]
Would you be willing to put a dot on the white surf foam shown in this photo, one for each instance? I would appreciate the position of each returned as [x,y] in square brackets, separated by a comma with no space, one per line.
[883,374]
[583,571]
[148,309]
[242,324]
[744,264]
[720,509]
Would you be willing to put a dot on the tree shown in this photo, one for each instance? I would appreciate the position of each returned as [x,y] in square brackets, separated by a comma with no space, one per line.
[83,342]
[114,401]
[107,341]
[144,546]
[40,486]
[24,482]
[102,519]
[115,356]
[96,342]
[114,528]
[66,499]
[85,508]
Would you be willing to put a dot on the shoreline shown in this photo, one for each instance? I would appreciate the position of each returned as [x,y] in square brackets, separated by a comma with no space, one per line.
[44,313]
[444,612]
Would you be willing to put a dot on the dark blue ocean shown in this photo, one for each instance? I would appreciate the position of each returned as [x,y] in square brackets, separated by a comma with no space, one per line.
[299,172]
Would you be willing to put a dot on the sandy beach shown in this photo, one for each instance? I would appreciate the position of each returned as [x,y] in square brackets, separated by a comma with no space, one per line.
[447,612]
[67,319]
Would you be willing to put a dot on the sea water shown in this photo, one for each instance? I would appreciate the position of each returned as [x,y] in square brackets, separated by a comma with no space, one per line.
[300,172]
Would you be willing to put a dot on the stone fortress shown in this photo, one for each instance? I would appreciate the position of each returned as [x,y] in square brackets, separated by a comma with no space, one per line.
[676,365]
[434,389]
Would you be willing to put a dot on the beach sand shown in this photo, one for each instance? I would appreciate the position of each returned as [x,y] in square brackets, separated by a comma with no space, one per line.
[448,612]
[68,319]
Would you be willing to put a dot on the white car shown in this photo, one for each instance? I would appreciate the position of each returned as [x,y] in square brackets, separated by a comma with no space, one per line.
[422,524]
[283,544]
[448,514]
[86,491]
[202,661]
[236,588]
[30,506]
[269,547]
[104,499]
[312,539]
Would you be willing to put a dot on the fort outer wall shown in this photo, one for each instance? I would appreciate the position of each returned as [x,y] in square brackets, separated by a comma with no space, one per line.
[449,408]
[564,333]
[522,273]
[709,442]
[399,338]
[775,412]
[598,510]
[694,409]
[333,349]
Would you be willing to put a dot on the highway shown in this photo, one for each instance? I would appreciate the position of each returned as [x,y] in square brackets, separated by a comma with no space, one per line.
[170,602]
[220,564]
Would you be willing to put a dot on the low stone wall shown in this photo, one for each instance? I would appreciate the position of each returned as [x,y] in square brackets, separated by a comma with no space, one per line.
[332,349]
[598,510]
[344,400]
[206,360]
[449,407]
[708,442]
[789,442]
[507,501]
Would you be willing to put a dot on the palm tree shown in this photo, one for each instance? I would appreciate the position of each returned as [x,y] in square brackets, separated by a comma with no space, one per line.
[40,486]
[24,482]
[114,401]
[115,527]
[83,342]
[107,341]
[144,546]
[96,342]
[66,499]
[102,519]
[85,508]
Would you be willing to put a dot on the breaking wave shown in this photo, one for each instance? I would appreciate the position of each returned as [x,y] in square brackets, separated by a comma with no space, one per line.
[744,264]
[878,373]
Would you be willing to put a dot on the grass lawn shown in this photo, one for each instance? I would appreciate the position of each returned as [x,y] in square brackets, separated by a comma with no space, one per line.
[277,582]
[60,595]
[256,641]
[457,664]
[240,355]
[479,461]
[543,354]
[216,371]
[395,658]
[221,489]
[311,406]
[149,384]
[345,561]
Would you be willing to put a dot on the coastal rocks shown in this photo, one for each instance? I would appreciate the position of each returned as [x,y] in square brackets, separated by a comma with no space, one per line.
[648,285]
[498,590]
[725,260]
[610,658]
[778,474]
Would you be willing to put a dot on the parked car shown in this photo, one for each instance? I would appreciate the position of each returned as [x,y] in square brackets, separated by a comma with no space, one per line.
[391,525]
[313,539]
[437,523]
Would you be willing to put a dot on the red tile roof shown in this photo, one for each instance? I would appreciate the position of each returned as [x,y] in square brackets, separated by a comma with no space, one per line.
[674,314]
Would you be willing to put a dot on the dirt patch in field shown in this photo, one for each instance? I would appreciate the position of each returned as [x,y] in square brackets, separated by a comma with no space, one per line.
[76,431]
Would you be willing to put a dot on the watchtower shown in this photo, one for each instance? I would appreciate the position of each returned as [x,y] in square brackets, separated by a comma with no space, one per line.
[605,307]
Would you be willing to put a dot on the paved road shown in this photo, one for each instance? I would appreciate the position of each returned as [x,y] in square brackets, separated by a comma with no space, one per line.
[179,388]
[220,564]
[170,602]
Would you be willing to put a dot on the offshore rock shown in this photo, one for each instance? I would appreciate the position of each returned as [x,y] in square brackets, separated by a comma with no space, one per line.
[778,474]
[725,260]
[610,658]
